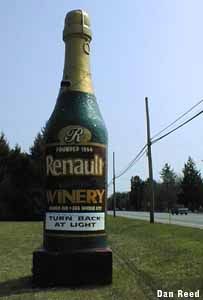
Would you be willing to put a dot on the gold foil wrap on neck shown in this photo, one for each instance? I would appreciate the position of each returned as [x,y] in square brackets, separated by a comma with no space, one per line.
[77,37]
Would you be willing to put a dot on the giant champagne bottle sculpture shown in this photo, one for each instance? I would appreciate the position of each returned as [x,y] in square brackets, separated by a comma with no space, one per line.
[75,248]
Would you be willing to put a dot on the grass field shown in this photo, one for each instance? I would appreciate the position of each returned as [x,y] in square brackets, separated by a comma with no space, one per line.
[145,258]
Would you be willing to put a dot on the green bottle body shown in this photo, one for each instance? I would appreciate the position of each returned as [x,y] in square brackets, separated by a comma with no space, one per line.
[76,174]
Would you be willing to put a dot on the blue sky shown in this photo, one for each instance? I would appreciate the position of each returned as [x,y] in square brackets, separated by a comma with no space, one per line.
[139,48]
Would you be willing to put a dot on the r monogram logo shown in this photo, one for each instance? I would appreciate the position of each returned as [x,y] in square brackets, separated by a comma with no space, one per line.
[73,134]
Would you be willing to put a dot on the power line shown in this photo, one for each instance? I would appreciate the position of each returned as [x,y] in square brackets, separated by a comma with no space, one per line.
[184,123]
[181,116]
[138,157]
[132,162]
[140,154]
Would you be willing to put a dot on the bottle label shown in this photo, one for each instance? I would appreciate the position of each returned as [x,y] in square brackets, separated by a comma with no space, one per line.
[75,221]
[75,182]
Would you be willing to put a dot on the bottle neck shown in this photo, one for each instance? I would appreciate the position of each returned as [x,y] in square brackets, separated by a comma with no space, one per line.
[76,72]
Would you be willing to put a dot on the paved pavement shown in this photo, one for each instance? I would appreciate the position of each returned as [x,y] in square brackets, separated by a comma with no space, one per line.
[190,220]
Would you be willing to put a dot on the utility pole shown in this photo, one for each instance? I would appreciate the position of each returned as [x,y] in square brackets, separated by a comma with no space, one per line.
[114,188]
[149,154]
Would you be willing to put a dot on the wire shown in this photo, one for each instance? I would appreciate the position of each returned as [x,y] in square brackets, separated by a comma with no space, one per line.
[128,167]
[137,158]
[142,152]
[158,139]
[184,114]
[132,161]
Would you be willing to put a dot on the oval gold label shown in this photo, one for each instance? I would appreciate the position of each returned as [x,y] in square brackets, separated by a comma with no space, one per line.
[74,134]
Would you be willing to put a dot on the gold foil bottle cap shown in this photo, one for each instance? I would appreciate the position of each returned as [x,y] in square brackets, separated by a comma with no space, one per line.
[77,22]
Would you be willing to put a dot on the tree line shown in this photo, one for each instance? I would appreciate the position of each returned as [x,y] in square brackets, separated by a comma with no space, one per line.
[171,191]
[21,180]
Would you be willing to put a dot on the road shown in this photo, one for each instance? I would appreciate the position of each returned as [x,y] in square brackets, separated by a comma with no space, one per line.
[190,220]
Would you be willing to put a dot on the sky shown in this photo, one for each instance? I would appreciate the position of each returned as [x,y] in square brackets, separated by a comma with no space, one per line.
[139,49]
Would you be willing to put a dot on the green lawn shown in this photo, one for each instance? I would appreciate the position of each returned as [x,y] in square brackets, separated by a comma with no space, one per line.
[146,257]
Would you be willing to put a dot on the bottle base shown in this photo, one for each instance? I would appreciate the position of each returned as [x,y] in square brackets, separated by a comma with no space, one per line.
[82,267]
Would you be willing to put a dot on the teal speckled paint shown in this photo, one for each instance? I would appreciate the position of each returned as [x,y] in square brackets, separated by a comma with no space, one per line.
[76,174]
